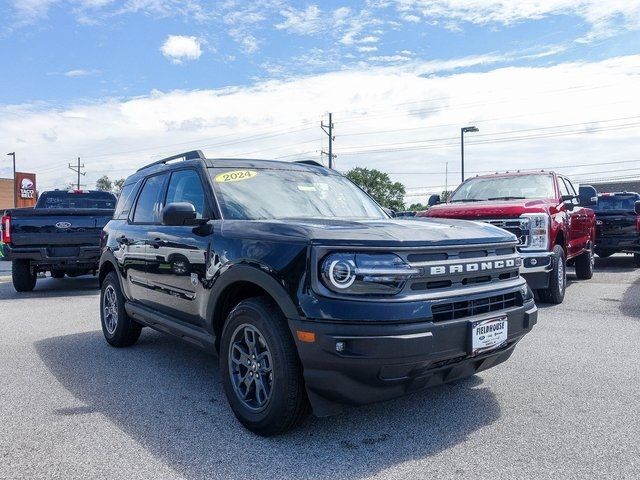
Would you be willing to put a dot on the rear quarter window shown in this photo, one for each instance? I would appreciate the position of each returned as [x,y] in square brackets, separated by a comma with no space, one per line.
[125,200]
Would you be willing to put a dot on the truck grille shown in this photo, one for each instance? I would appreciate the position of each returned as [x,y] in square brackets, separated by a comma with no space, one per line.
[518,226]
[469,308]
[461,267]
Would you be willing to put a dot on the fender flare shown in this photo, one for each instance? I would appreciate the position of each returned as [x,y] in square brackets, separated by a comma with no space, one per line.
[251,274]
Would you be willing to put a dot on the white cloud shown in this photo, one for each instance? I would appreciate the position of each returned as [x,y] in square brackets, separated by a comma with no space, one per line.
[303,22]
[179,48]
[604,16]
[80,73]
[397,105]
[365,49]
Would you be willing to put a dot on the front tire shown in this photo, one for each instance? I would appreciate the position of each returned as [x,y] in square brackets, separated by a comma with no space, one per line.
[554,293]
[118,328]
[584,265]
[23,277]
[260,369]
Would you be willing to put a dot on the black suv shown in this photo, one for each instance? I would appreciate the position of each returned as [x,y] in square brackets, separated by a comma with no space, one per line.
[308,291]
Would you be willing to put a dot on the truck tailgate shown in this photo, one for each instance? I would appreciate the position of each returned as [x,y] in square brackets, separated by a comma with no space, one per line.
[57,228]
[614,224]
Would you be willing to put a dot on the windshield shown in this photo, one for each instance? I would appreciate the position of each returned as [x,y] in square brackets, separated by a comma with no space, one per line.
[505,188]
[62,199]
[617,202]
[277,193]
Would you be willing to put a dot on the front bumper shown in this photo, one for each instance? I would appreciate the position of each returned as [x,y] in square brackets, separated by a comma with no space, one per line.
[58,258]
[380,362]
[536,268]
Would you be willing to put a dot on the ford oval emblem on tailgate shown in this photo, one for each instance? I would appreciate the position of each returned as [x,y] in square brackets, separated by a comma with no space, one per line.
[63,225]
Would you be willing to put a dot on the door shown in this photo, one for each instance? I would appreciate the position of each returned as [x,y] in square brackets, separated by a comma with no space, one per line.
[177,254]
[576,220]
[134,237]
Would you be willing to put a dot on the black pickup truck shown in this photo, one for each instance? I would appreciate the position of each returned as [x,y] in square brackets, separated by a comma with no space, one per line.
[618,224]
[305,287]
[60,235]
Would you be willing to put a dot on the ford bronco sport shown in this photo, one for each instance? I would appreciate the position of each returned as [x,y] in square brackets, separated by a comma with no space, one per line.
[309,293]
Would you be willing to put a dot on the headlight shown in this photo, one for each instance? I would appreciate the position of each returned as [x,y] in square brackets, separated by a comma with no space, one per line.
[365,273]
[538,231]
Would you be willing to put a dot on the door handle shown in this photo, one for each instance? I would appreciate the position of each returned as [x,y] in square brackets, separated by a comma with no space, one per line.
[123,240]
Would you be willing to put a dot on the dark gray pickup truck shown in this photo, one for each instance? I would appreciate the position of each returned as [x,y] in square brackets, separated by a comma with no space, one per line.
[60,235]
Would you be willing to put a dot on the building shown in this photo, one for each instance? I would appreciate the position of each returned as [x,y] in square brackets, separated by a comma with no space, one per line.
[26,194]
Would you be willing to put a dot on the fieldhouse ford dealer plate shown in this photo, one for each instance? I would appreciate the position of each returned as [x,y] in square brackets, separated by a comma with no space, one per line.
[488,334]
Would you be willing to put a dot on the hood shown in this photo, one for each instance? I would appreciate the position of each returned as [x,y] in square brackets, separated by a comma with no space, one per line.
[489,209]
[391,232]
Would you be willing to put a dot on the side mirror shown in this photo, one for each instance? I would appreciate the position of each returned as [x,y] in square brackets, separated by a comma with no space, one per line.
[179,214]
[389,212]
[433,200]
[588,196]
[637,207]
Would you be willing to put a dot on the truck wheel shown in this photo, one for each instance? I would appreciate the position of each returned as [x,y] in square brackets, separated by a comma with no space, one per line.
[260,369]
[118,328]
[57,274]
[636,259]
[584,265]
[558,281]
[23,277]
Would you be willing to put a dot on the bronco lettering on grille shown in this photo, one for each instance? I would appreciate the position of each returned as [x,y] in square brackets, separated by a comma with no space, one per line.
[473,267]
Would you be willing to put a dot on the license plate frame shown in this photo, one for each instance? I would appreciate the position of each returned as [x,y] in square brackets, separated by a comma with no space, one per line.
[494,335]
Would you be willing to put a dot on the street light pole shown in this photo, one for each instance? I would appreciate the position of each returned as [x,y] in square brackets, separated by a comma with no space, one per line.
[464,130]
[15,190]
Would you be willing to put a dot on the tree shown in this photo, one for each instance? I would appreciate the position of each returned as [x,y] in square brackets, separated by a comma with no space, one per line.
[379,185]
[418,207]
[444,196]
[117,186]
[104,184]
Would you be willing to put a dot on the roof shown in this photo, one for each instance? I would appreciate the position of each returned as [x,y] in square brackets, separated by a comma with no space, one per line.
[196,158]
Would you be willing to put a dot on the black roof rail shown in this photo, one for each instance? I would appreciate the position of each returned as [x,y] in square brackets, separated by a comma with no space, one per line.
[310,162]
[191,155]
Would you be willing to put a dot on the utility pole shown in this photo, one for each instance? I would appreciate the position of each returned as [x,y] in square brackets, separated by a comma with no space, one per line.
[464,130]
[446,178]
[328,129]
[15,188]
[78,170]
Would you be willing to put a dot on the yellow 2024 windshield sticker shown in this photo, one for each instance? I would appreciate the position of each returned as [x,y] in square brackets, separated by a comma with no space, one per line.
[235,176]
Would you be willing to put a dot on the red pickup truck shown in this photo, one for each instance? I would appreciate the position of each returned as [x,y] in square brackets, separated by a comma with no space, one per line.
[552,221]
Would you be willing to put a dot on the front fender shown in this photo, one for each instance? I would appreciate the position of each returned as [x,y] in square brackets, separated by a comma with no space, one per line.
[251,273]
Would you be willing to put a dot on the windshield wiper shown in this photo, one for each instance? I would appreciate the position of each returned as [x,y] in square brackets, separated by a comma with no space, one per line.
[468,200]
[506,198]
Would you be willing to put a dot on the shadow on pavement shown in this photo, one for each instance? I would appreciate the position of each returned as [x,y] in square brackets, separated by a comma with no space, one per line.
[52,287]
[616,263]
[630,303]
[167,396]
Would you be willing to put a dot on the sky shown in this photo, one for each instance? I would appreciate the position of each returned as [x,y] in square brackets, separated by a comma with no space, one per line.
[551,84]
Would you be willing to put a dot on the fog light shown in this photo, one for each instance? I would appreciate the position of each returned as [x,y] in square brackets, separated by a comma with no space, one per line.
[340,346]
[533,262]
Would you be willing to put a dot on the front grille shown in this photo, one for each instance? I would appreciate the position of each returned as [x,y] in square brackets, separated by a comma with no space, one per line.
[469,308]
[518,226]
[459,267]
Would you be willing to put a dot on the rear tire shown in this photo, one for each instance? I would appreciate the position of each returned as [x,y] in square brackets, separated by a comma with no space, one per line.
[57,274]
[260,369]
[584,265]
[558,281]
[118,328]
[23,277]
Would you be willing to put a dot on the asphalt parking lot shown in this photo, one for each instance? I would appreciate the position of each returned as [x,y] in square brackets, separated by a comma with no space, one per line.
[566,405]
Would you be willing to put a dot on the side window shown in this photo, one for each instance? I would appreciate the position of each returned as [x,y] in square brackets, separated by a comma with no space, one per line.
[563,187]
[570,189]
[149,202]
[185,186]
[125,201]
